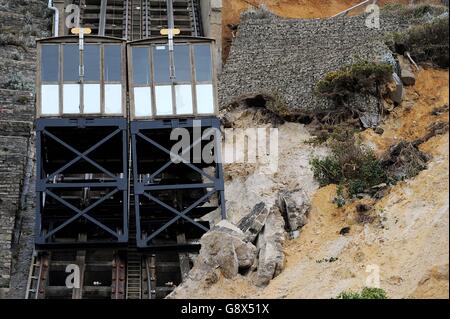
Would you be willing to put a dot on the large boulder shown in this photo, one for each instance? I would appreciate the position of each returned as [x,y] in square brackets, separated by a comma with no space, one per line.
[224,248]
[294,206]
[271,259]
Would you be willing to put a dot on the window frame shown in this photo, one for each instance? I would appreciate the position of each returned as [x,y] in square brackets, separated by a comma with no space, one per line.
[70,40]
[190,43]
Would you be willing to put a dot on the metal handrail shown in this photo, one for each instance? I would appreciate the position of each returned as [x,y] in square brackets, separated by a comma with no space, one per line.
[345,12]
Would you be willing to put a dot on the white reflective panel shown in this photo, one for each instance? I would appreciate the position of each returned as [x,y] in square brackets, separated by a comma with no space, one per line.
[71,98]
[113,98]
[183,94]
[142,101]
[92,98]
[163,95]
[50,99]
[205,99]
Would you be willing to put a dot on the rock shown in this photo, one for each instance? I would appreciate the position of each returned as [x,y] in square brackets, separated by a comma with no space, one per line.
[368,109]
[407,75]
[218,252]
[225,226]
[271,257]
[294,207]
[344,231]
[223,248]
[363,208]
[253,223]
[396,89]
[404,160]
[378,130]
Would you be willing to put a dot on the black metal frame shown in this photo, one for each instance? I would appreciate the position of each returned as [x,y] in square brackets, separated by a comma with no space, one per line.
[43,186]
[141,188]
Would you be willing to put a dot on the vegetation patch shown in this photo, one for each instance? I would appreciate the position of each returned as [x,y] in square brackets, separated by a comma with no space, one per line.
[365,293]
[352,166]
[413,11]
[362,77]
[351,88]
[426,43]
[404,160]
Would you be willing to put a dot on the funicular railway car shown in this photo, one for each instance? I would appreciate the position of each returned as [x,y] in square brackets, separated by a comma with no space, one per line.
[82,141]
[171,93]
[82,212]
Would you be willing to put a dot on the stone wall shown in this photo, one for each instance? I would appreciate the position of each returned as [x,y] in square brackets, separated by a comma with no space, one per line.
[283,59]
[21,22]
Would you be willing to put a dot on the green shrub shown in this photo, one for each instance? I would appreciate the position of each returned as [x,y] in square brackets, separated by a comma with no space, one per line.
[413,11]
[354,167]
[362,77]
[426,43]
[366,293]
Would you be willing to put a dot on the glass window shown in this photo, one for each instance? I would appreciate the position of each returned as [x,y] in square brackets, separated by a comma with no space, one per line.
[113,98]
[113,63]
[71,98]
[71,62]
[91,62]
[163,96]
[203,62]
[50,63]
[205,99]
[182,63]
[183,94]
[141,68]
[161,63]
[92,98]
[142,101]
[50,99]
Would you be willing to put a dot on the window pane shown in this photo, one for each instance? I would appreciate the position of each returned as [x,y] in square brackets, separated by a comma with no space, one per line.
[50,99]
[49,63]
[92,62]
[112,63]
[205,99]
[92,98]
[203,62]
[113,98]
[182,63]
[71,98]
[142,101]
[163,95]
[183,95]
[161,63]
[71,62]
[141,68]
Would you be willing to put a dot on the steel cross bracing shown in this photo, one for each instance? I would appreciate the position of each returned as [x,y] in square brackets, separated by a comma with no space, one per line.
[144,185]
[48,183]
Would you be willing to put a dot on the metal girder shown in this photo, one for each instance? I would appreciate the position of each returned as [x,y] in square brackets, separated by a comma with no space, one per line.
[47,184]
[143,187]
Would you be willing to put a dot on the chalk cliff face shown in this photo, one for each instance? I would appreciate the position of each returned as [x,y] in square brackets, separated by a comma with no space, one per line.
[21,22]
[405,243]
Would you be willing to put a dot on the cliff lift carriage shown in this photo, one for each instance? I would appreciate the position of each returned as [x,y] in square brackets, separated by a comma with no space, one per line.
[170,92]
[81,142]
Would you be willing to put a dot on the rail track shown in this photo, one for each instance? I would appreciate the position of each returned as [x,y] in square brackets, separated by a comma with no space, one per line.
[139,19]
